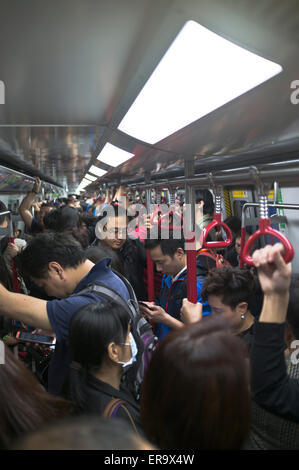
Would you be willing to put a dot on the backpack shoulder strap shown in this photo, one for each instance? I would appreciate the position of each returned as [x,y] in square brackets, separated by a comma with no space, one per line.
[104,291]
[127,284]
[112,408]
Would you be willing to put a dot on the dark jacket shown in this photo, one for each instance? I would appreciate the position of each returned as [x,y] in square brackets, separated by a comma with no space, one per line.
[96,396]
[271,386]
[133,257]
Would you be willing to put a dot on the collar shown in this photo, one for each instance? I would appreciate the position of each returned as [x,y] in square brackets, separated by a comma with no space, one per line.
[176,277]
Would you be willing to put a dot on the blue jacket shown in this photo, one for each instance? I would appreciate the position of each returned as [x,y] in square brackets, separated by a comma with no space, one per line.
[172,295]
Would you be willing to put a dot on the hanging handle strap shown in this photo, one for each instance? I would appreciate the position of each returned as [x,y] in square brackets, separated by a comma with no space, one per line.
[216,222]
[266,229]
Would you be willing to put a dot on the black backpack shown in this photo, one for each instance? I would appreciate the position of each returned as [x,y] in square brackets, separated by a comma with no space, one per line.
[141,330]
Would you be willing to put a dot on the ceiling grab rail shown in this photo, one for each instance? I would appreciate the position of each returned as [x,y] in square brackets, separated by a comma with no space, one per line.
[15,280]
[216,222]
[264,227]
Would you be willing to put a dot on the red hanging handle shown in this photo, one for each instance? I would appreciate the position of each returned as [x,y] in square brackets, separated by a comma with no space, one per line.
[216,222]
[15,281]
[191,267]
[266,229]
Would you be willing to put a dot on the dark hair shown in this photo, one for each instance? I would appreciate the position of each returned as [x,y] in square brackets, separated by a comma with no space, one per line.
[92,328]
[234,223]
[84,433]
[24,405]
[47,247]
[168,246]
[292,312]
[3,208]
[206,196]
[196,393]
[233,285]
[98,252]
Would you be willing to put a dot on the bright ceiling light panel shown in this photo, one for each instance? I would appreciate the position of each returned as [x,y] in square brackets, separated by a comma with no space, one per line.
[113,156]
[90,177]
[97,171]
[200,72]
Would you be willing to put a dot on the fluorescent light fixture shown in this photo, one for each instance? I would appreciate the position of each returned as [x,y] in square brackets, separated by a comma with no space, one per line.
[97,171]
[200,72]
[84,183]
[89,177]
[113,156]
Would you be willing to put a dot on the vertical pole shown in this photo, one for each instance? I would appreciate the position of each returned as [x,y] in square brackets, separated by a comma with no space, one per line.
[149,264]
[190,235]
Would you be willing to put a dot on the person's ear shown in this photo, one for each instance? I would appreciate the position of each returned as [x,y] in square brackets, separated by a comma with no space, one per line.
[242,309]
[180,253]
[113,351]
[56,269]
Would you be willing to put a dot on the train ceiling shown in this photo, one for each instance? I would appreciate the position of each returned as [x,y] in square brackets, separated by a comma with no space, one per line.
[72,68]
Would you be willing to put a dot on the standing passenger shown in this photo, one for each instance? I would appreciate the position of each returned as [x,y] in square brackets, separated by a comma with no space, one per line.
[56,262]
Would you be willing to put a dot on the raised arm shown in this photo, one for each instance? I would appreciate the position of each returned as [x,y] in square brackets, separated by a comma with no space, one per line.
[271,386]
[24,209]
[29,310]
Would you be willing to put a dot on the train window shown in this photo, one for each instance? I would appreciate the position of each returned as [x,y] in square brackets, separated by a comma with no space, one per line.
[200,72]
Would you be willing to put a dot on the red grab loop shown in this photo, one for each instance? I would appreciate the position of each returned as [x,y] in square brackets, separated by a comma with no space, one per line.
[15,281]
[216,222]
[266,229]
[178,222]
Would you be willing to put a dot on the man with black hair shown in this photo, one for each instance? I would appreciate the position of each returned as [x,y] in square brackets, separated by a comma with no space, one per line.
[112,233]
[57,263]
[171,259]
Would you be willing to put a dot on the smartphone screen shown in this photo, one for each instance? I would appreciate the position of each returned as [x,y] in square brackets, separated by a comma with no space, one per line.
[35,338]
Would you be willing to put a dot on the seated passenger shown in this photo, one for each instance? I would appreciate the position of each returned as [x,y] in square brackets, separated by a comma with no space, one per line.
[24,405]
[102,349]
[195,394]
[171,259]
[56,262]
[111,231]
